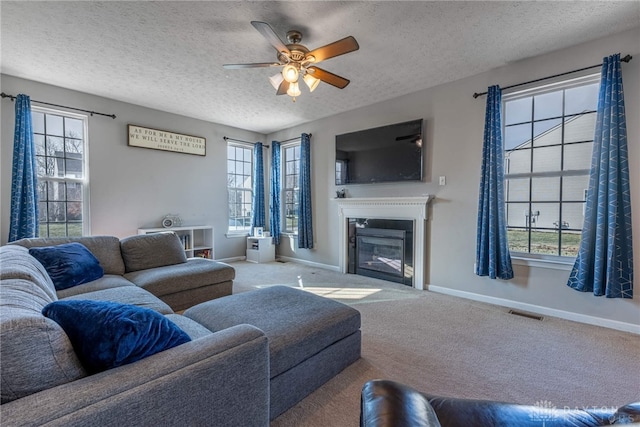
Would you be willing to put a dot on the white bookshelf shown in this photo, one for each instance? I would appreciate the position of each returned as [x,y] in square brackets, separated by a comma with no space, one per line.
[197,239]
[260,249]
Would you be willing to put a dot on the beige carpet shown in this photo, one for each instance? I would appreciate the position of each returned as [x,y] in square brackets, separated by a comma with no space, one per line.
[450,346]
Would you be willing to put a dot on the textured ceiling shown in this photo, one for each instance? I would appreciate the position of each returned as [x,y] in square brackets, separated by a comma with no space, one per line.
[169,55]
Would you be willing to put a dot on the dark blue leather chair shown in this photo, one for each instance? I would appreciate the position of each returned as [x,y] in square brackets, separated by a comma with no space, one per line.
[390,404]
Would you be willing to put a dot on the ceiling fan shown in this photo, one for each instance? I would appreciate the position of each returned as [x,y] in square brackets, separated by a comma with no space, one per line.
[299,62]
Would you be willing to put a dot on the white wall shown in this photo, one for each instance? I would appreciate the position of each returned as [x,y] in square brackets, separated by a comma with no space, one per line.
[454,128]
[135,187]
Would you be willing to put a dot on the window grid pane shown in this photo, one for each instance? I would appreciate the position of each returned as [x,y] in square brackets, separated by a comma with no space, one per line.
[239,185]
[291,190]
[548,143]
[60,146]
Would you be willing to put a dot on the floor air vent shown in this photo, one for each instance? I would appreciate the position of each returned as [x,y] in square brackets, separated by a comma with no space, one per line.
[527,315]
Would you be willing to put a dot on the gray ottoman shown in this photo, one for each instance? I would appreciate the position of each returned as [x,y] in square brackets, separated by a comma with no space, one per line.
[311,338]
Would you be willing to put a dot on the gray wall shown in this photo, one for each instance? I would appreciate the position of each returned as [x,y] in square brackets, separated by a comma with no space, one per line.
[135,187]
[454,131]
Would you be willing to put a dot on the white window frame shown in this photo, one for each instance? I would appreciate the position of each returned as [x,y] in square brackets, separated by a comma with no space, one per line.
[247,146]
[555,262]
[86,217]
[283,200]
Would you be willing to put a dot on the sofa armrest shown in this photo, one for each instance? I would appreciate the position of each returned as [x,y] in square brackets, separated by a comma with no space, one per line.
[390,404]
[220,379]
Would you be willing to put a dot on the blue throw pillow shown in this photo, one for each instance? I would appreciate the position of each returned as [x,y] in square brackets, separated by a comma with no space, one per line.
[69,264]
[106,334]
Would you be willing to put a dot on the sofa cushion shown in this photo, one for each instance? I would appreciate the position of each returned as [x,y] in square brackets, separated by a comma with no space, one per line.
[16,263]
[194,329]
[106,335]
[108,281]
[195,273]
[132,295]
[35,352]
[69,264]
[105,248]
[145,251]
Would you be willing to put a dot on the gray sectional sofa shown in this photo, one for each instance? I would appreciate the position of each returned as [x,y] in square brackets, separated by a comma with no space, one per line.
[153,262]
[251,356]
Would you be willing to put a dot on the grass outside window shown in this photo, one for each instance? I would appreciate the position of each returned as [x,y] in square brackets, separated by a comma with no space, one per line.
[544,242]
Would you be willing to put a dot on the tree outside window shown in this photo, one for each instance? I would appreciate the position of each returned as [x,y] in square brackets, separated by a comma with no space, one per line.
[62,179]
[239,185]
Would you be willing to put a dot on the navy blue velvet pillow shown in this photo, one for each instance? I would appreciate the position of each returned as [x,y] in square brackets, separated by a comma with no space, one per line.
[106,334]
[69,264]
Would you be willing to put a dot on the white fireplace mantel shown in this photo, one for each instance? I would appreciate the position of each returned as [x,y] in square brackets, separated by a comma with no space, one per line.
[411,208]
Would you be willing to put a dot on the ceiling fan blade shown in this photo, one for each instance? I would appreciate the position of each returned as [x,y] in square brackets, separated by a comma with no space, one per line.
[327,77]
[268,33]
[346,45]
[283,88]
[254,65]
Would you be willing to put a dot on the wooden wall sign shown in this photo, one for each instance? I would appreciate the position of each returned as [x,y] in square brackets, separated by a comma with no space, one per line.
[168,141]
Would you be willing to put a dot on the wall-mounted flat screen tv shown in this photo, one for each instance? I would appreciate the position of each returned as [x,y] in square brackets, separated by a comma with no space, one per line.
[385,154]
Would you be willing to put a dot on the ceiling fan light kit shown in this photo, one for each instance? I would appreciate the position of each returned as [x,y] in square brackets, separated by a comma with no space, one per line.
[294,90]
[297,61]
[290,73]
[311,81]
[276,80]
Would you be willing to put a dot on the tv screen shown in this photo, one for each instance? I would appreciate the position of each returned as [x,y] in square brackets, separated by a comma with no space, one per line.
[385,154]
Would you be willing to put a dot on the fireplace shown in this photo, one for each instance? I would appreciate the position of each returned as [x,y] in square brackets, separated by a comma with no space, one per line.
[411,209]
[381,248]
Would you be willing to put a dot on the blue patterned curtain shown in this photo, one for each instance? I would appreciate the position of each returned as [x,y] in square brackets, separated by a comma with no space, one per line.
[24,189]
[275,193]
[257,201]
[305,226]
[492,250]
[604,264]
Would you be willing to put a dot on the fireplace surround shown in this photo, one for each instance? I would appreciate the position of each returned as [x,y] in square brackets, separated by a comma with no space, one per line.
[390,208]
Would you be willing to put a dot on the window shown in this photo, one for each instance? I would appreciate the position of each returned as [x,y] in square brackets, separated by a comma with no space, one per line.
[548,138]
[291,187]
[239,183]
[63,184]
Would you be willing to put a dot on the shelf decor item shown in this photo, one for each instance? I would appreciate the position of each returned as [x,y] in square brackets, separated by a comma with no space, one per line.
[258,232]
[140,136]
[171,220]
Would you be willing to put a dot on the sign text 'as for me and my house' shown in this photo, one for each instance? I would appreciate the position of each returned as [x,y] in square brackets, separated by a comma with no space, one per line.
[169,141]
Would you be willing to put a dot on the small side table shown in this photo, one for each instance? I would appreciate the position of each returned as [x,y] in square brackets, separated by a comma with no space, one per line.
[260,249]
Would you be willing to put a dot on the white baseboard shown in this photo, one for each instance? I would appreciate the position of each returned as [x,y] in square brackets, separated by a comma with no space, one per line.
[310,263]
[576,317]
[232,259]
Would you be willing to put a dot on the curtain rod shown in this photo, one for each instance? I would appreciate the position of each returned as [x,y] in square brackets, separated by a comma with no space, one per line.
[226,138]
[625,59]
[293,139]
[113,116]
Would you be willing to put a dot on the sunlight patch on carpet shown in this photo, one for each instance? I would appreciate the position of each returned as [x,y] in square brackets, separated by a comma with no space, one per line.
[342,293]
